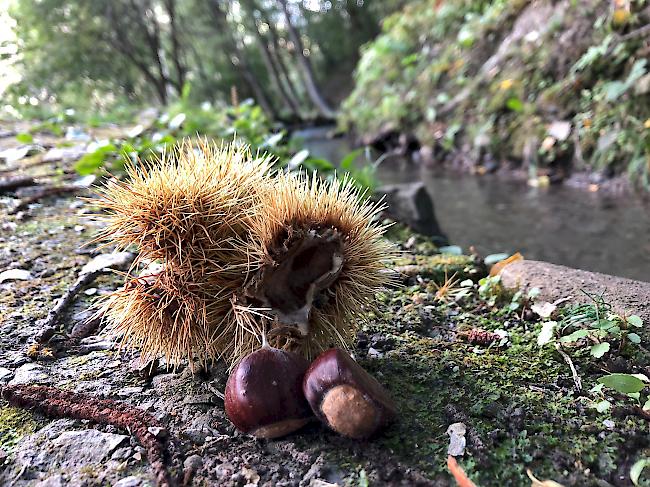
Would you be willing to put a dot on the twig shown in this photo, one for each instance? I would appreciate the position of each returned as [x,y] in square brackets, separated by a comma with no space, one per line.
[44,193]
[58,403]
[574,372]
[9,184]
[48,325]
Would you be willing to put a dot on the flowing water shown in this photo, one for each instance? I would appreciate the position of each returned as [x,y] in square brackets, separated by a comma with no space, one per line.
[558,224]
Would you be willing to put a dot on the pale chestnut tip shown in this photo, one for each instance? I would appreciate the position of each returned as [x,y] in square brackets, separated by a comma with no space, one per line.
[346,397]
[264,395]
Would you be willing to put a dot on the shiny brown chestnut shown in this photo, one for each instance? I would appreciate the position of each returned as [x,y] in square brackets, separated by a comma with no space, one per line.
[264,393]
[346,397]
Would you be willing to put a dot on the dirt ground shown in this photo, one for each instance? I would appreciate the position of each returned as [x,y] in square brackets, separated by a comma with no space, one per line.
[518,400]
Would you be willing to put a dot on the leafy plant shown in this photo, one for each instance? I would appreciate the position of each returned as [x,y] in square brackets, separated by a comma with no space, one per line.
[596,325]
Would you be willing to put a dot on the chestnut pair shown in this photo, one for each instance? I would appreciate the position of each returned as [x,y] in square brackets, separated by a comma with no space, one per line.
[273,392]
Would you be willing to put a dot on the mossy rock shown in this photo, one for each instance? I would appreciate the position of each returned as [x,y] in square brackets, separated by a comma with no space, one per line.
[14,424]
[439,267]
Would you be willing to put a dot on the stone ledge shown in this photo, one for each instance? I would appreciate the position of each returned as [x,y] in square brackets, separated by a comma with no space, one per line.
[557,281]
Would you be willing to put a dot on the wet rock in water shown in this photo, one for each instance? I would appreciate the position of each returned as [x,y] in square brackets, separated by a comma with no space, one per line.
[31,373]
[410,203]
[58,455]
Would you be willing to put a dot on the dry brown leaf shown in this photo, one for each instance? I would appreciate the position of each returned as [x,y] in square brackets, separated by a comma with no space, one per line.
[498,267]
[462,480]
[541,483]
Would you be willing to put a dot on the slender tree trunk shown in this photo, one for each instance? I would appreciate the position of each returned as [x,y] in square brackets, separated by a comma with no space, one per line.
[276,53]
[170,5]
[221,23]
[305,66]
[119,39]
[269,62]
[289,102]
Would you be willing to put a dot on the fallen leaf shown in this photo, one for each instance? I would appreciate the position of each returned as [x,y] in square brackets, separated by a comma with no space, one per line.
[541,483]
[457,441]
[15,275]
[498,267]
[545,336]
[462,480]
[15,154]
[543,310]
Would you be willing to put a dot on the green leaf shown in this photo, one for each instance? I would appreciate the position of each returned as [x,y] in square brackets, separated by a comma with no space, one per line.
[410,59]
[451,249]
[347,162]
[637,468]
[599,350]
[575,336]
[494,258]
[603,324]
[635,321]
[515,104]
[317,164]
[646,406]
[623,383]
[603,406]
[91,162]
[25,138]
[634,338]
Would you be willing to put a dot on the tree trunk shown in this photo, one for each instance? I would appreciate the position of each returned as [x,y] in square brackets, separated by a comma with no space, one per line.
[291,104]
[170,6]
[276,53]
[305,67]
[221,23]
[119,39]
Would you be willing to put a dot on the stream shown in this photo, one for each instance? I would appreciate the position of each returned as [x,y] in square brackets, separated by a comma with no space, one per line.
[558,224]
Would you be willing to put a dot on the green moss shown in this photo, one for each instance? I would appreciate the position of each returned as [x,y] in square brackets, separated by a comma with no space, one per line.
[14,424]
[518,400]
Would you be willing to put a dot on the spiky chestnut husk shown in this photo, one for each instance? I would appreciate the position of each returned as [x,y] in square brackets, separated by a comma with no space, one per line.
[192,209]
[264,393]
[192,212]
[321,257]
[244,253]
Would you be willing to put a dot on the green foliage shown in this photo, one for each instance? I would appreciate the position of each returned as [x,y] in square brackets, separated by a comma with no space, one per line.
[93,161]
[245,123]
[95,55]
[447,75]
[623,383]
[593,326]
[637,469]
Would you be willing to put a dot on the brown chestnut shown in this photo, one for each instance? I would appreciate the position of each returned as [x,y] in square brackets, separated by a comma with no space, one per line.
[264,393]
[346,397]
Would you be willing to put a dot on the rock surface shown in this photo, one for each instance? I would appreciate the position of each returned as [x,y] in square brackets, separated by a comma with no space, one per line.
[410,203]
[557,282]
